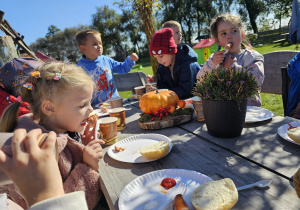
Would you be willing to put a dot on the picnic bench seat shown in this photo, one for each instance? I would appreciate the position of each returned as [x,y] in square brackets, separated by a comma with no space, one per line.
[277,80]
[272,66]
[129,81]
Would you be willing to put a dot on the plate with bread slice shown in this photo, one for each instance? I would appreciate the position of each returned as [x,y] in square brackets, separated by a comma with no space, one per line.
[140,148]
[290,132]
[257,114]
[147,191]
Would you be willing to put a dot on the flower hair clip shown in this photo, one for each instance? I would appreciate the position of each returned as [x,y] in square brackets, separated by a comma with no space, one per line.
[35,74]
[28,85]
[57,76]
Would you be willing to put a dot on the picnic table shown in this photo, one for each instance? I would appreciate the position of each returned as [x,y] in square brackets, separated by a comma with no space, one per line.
[258,154]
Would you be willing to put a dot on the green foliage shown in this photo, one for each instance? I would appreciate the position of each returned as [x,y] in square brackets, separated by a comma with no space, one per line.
[60,45]
[226,84]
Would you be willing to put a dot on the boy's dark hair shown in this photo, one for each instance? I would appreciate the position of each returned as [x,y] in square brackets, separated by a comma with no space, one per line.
[81,36]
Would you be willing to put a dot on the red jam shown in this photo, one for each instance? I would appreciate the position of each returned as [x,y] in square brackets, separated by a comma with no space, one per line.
[168,183]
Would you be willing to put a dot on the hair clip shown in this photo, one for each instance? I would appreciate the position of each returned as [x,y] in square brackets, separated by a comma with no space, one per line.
[35,74]
[19,99]
[28,85]
[57,76]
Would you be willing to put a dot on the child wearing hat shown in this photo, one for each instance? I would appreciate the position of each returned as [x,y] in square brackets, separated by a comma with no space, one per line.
[179,66]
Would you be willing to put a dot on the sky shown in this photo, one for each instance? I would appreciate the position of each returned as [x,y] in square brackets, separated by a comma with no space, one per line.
[32,18]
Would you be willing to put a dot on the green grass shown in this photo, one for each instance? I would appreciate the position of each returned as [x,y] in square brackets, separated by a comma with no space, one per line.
[271,102]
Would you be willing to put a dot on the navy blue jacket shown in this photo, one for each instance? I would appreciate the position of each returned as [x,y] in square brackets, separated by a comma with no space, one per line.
[184,72]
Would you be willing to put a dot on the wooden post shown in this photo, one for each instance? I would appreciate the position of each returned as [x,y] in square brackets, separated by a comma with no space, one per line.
[1,16]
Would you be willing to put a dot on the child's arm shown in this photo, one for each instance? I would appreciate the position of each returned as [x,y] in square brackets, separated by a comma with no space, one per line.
[212,62]
[123,67]
[33,169]
[255,63]
[187,75]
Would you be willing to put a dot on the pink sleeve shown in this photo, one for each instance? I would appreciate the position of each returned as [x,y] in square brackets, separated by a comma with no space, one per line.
[84,178]
[256,67]
[209,65]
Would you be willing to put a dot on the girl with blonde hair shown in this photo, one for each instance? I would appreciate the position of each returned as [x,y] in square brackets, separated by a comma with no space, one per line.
[59,95]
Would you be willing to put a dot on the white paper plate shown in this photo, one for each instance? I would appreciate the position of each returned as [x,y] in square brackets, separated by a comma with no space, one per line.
[145,192]
[101,114]
[282,131]
[133,144]
[257,114]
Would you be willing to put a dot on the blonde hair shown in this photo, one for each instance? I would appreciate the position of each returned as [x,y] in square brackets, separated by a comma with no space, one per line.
[234,19]
[170,24]
[45,87]
[81,36]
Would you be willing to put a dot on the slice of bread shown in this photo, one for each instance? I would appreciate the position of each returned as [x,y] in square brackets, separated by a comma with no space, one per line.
[294,134]
[214,195]
[155,151]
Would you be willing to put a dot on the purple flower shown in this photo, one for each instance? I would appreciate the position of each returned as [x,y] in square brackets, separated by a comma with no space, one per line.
[199,82]
[242,82]
[229,82]
[207,95]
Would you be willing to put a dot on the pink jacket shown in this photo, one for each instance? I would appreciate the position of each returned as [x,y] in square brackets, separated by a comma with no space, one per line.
[76,175]
[250,59]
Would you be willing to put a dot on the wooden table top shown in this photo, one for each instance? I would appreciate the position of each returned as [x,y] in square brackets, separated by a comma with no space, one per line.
[259,153]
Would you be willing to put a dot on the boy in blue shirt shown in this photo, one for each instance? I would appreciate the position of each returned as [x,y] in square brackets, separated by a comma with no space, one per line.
[101,67]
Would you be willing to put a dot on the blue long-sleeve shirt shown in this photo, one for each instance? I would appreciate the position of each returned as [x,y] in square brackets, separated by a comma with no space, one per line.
[102,70]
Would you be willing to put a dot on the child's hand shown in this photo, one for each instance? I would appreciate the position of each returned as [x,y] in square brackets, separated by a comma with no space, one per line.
[133,57]
[150,79]
[218,57]
[229,61]
[33,170]
[87,136]
[92,153]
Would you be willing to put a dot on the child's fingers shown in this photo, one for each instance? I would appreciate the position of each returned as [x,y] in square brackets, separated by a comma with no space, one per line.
[4,160]
[96,141]
[17,143]
[31,141]
[50,141]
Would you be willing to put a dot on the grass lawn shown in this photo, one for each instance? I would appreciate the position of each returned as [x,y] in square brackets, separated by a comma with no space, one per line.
[271,102]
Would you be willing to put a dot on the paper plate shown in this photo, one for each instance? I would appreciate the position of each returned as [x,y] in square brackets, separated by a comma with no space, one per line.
[133,144]
[257,114]
[145,192]
[282,131]
[102,114]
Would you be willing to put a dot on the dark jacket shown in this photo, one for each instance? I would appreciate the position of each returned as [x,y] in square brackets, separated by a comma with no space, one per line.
[184,72]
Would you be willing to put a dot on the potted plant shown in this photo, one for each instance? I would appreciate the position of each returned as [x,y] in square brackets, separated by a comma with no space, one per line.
[224,93]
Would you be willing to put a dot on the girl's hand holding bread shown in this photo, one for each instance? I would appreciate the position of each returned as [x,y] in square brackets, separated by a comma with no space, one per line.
[218,57]
[92,153]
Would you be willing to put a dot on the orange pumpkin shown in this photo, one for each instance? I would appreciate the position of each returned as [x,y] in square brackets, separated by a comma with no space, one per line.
[152,101]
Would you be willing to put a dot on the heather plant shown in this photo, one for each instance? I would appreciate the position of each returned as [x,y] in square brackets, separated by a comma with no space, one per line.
[226,84]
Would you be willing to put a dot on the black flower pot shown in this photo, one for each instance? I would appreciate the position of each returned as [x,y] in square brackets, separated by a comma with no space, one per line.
[225,119]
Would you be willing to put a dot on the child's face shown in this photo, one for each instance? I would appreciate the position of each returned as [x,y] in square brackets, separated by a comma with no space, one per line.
[177,34]
[228,32]
[93,47]
[71,112]
[165,59]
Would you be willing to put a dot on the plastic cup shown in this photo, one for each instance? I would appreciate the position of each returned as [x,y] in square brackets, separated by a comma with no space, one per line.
[120,114]
[115,102]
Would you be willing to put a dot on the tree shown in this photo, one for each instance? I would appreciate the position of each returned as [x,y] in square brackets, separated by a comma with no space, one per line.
[60,45]
[108,23]
[145,9]
[281,9]
[254,8]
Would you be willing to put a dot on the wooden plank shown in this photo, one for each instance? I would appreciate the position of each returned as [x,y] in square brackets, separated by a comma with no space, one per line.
[193,153]
[129,81]
[260,143]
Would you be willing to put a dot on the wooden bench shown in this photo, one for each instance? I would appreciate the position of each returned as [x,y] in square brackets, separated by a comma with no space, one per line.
[129,81]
